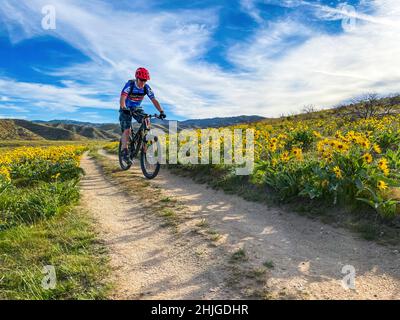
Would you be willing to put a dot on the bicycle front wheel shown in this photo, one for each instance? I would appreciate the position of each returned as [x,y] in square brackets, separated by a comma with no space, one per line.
[150,157]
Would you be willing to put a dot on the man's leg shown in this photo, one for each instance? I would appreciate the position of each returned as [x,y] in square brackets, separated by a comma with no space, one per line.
[125,138]
[125,122]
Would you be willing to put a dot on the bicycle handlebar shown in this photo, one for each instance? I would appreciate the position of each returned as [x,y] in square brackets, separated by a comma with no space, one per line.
[132,112]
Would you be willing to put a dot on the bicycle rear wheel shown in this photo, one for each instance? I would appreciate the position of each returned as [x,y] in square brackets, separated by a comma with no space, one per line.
[122,163]
[150,157]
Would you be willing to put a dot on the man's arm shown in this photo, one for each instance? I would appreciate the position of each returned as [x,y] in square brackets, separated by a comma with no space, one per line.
[157,105]
[124,95]
[122,102]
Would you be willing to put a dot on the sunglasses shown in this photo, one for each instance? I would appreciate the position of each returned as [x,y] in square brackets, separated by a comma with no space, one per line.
[143,80]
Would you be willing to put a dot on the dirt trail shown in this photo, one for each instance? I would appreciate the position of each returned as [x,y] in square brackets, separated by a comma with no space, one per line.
[148,261]
[307,255]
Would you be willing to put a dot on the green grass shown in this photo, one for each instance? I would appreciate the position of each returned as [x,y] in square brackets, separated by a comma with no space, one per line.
[269,264]
[168,213]
[213,234]
[67,242]
[40,226]
[256,273]
[202,223]
[239,256]
[215,237]
[27,205]
[168,200]
[10,144]
[211,231]
[38,143]
[111,148]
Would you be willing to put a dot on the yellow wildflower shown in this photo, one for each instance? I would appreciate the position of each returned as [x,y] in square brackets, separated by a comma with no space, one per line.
[382,185]
[298,153]
[367,157]
[285,156]
[377,148]
[5,173]
[338,172]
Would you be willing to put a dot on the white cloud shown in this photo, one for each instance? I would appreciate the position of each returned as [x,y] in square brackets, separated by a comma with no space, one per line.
[10,107]
[282,66]
[2,116]
[50,97]
[324,69]
[250,8]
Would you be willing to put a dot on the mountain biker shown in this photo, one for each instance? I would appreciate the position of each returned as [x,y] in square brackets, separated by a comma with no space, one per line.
[131,98]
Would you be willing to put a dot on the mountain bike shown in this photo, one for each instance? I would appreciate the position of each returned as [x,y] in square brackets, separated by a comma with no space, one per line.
[144,142]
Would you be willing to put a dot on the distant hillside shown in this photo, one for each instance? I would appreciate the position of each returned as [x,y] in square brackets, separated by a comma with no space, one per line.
[113,128]
[10,131]
[218,122]
[67,121]
[15,129]
[47,132]
[87,131]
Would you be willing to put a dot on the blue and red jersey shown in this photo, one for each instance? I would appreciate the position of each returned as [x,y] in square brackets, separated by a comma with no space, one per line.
[134,95]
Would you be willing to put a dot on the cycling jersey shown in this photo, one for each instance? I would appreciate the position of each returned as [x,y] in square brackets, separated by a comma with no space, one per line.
[135,94]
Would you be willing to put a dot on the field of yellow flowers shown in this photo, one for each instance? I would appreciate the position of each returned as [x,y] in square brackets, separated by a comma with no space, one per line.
[40,226]
[333,159]
[37,182]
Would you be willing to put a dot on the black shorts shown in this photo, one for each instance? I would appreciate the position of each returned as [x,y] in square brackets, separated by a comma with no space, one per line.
[125,119]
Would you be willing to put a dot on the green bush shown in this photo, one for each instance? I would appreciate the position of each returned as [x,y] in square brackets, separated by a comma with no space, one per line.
[27,205]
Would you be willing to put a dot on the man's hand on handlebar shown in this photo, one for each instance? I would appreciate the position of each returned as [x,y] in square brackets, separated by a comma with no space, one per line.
[124,108]
[162,115]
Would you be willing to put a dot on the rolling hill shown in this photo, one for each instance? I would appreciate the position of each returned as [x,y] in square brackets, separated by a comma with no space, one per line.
[218,122]
[161,124]
[71,130]
[10,131]
[15,129]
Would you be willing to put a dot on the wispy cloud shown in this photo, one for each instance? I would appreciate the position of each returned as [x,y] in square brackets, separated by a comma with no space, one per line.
[50,97]
[283,65]
[249,6]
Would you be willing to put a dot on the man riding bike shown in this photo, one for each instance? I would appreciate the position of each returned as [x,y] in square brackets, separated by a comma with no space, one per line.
[131,98]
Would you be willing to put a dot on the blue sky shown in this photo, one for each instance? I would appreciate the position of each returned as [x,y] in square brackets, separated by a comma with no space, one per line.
[206,58]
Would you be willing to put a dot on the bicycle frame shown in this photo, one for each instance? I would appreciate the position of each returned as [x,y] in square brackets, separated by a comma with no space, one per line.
[138,136]
[139,141]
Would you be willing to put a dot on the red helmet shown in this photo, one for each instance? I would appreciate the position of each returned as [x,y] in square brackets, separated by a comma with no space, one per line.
[142,73]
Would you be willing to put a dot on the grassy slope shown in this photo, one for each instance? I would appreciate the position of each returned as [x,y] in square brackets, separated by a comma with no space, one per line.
[88,131]
[47,132]
[23,130]
[9,130]
[68,242]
